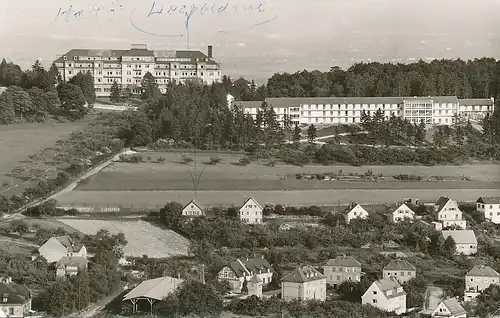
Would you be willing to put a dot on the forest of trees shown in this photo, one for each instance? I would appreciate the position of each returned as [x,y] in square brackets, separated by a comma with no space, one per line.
[33,94]
[197,115]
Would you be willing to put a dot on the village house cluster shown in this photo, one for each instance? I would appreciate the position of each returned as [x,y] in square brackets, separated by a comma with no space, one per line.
[253,276]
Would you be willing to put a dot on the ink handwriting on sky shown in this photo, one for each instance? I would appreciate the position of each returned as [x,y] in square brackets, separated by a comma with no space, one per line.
[72,12]
[167,12]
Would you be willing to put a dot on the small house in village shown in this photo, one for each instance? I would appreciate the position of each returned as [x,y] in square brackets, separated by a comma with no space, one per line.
[490,207]
[254,286]
[449,308]
[354,211]
[400,212]
[465,241]
[193,209]
[477,279]
[239,271]
[304,283]
[251,212]
[16,298]
[342,269]
[386,294]
[71,265]
[58,247]
[449,214]
[401,270]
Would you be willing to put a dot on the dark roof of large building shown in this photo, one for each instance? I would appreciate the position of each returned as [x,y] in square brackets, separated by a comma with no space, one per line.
[476,102]
[400,265]
[68,242]
[483,271]
[489,200]
[454,307]
[303,274]
[90,53]
[14,293]
[345,261]
[138,52]
[247,104]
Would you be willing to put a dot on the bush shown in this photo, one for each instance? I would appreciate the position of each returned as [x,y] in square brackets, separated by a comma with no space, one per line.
[186,159]
[214,160]
[243,161]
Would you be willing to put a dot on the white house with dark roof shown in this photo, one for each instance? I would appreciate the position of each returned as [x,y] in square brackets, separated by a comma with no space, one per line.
[490,207]
[477,279]
[400,212]
[386,294]
[193,209]
[354,211]
[341,269]
[475,108]
[401,270]
[449,308]
[71,265]
[465,241]
[304,283]
[240,270]
[58,247]
[449,214]
[15,298]
[251,212]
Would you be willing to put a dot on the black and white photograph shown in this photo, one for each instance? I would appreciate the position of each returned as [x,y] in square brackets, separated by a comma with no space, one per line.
[250,158]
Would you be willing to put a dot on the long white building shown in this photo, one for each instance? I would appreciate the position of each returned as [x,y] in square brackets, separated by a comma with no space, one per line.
[437,110]
[128,67]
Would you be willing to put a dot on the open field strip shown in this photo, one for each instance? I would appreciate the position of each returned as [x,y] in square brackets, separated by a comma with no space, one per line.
[155,199]
[19,141]
[143,237]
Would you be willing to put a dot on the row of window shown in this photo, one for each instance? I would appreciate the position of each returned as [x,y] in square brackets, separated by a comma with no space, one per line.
[181,66]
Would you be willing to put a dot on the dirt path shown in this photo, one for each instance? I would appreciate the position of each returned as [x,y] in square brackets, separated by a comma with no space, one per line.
[18,215]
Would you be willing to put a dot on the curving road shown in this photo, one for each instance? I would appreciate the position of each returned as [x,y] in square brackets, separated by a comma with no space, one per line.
[18,214]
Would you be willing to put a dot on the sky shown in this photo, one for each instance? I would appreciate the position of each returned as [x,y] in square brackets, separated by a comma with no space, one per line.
[256,38]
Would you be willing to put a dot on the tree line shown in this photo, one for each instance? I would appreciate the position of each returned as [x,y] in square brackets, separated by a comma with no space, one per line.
[36,93]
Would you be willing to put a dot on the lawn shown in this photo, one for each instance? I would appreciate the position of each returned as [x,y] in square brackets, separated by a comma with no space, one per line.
[174,175]
[143,237]
[19,141]
[157,199]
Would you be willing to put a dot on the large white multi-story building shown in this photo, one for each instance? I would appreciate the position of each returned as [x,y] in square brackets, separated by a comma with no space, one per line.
[128,67]
[437,110]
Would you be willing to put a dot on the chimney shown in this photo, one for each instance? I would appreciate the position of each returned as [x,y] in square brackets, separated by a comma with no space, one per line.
[210,52]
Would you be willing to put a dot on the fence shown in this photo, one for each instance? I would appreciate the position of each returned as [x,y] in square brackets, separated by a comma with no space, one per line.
[112,209]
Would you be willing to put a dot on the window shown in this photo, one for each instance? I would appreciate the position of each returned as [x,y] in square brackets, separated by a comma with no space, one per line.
[374,301]
[374,292]
[11,311]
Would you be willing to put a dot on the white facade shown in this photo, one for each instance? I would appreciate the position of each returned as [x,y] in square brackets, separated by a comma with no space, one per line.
[356,212]
[315,289]
[128,67]
[450,215]
[490,207]
[251,212]
[403,212]
[478,279]
[393,299]
[439,110]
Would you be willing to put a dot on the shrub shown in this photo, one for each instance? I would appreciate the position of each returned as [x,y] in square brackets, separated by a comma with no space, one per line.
[214,160]
[243,161]
[161,160]
[186,159]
